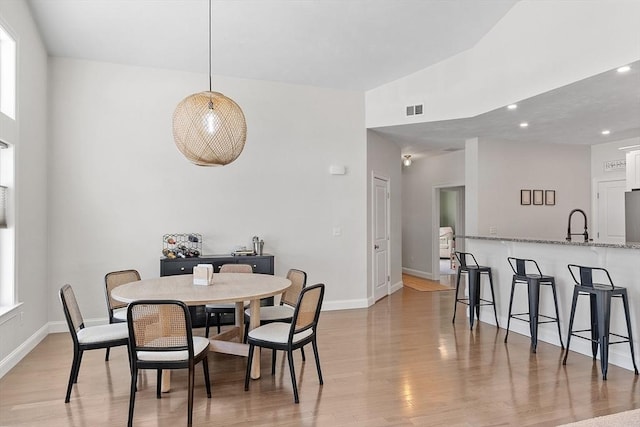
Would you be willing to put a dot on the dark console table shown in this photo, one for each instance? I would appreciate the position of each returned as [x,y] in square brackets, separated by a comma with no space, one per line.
[262,264]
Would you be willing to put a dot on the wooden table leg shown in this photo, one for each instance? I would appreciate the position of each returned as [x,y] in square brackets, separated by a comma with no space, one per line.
[254,322]
[240,318]
[166,381]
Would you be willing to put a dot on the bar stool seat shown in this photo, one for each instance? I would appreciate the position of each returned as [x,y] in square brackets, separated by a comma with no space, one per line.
[533,282]
[473,272]
[600,295]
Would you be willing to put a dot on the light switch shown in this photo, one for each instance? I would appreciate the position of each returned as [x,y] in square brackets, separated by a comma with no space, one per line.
[337,231]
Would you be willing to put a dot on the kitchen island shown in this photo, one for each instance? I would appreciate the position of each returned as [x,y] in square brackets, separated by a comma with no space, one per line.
[621,260]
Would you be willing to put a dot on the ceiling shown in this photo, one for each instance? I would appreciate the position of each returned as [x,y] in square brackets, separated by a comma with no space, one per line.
[341,44]
[573,114]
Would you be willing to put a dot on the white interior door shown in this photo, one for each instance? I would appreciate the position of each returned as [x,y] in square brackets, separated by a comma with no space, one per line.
[611,212]
[380,238]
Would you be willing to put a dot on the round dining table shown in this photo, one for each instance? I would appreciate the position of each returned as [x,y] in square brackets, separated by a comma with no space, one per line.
[224,288]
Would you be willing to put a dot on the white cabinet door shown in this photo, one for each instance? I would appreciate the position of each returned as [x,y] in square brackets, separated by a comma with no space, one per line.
[633,170]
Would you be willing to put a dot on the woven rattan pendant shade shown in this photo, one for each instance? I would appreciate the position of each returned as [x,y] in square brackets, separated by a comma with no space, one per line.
[209,129]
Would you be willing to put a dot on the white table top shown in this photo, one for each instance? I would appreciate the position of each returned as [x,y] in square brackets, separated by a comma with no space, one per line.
[227,287]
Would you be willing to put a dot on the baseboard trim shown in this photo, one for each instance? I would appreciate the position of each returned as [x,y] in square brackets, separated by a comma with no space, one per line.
[345,304]
[417,273]
[395,287]
[22,350]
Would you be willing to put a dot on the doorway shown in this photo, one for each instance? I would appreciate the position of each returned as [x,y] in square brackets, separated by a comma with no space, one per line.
[448,222]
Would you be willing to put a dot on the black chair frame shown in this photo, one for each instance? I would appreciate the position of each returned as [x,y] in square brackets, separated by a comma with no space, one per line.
[189,363]
[78,348]
[464,267]
[600,296]
[107,293]
[533,282]
[290,346]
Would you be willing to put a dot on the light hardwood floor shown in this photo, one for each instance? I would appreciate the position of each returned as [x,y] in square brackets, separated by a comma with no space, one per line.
[399,363]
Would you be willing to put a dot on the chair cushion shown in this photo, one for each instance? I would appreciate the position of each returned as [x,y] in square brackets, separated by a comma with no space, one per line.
[274,312]
[200,344]
[120,314]
[277,332]
[103,333]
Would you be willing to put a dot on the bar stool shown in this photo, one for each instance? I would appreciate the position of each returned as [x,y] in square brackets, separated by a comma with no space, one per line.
[533,282]
[473,272]
[600,295]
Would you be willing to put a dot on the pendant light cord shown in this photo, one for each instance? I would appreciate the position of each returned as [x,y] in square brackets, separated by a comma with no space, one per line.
[210,87]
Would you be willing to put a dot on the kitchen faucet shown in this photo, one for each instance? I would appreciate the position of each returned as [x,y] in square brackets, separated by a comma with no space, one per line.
[585,234]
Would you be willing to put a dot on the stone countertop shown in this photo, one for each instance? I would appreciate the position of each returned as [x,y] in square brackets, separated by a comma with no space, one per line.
[628,245]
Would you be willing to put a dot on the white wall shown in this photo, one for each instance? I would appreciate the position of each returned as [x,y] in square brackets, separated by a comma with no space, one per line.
[383,160]
[506,168]
[118,183]
[602,153]
[418,212]
[20,328]
[536,47]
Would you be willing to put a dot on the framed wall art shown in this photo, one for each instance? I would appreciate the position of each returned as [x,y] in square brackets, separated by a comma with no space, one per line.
[538,197]
[550,197]
[525,197]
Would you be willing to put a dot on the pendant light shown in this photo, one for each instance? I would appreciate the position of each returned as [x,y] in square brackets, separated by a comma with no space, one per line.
[209,129]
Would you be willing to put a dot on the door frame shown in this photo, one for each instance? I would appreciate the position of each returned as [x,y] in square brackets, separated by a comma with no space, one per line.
[595,214]
[387,179]
[435,224]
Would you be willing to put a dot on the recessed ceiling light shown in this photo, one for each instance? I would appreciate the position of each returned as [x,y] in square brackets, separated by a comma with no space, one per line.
[624,69]
[606,132]
[512,106]
[524,124]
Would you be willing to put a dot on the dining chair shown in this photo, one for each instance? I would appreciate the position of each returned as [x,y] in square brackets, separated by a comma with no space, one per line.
[284,311]
[117,309]
[161,338]
[291,336]
[87,338]
[217,310]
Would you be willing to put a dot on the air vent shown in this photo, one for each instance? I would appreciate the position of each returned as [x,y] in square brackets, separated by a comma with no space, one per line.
[414,110]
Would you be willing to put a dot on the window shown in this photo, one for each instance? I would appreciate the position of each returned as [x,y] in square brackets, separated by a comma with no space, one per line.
[7,228]
[8,136]
[7,74]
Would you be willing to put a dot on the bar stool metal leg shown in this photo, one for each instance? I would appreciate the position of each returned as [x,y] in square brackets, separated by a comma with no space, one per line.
[594,325]
[603,302]
[533,287]
[571,317]
[625,302]
[493,298]
[555,302]
[455,302]
[474,292]
[513,287]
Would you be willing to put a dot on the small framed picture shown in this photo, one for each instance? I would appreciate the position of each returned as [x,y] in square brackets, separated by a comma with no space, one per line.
[538,197]
[550,197]
[525,197]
